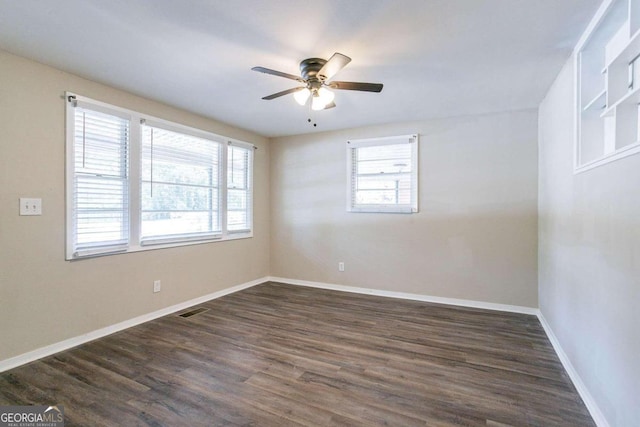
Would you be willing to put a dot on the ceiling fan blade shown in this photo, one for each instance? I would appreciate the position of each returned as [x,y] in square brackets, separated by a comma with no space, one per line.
[283,93]
[365,87]
[336,63]
[278,73]
[330,105]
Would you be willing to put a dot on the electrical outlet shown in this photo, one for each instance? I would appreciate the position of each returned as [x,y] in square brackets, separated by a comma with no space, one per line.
[30,206]
[157,286]
[341,266]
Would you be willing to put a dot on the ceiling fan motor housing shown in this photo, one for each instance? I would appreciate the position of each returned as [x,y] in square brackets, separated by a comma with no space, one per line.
[309,70]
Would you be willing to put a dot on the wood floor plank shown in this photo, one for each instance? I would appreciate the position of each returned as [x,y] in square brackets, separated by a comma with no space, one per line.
[282,355]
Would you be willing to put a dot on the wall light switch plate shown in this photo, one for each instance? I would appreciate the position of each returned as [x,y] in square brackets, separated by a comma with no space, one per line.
[30,206]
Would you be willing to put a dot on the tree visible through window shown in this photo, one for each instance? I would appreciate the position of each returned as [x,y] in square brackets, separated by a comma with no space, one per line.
[180,184]
[134,182]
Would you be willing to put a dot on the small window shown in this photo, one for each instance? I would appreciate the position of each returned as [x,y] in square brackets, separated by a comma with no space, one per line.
[239,189]
[383,174]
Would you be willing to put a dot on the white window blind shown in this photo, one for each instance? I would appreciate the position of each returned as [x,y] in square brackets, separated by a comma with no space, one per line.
[180,186]
[383,174]
[100,208]
[136,183]
[239,188]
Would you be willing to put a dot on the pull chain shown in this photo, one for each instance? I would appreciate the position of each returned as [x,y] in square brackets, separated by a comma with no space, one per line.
[311,114]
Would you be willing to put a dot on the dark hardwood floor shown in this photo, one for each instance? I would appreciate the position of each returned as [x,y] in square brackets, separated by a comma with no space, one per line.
[280,355]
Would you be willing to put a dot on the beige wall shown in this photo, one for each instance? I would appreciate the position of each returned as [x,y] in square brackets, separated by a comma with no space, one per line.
[589,260]
[474,238]
[45,299]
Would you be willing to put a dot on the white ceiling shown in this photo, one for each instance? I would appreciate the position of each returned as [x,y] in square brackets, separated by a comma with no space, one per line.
[436,58]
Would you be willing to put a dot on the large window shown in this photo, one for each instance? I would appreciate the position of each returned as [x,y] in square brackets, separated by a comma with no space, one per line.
[383,174]
[180,186]
[135,182]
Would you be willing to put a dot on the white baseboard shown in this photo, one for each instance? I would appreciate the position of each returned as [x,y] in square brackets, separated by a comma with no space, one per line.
[409,296]
[589,402]
[587,398]
[39,353]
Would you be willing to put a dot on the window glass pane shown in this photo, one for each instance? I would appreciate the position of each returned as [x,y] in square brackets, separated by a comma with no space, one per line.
[237,200]
[384,159]
[100,216]
[237,220]
[174,224]
[379,197]
[178,198]
[180,175]
[100,143]
[178,191]
[237,166]
[382,175]
[100,186]
[238,191]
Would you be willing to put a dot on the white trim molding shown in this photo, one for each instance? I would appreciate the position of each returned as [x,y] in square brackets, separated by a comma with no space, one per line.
[39,353]
[410,296]
[583,391]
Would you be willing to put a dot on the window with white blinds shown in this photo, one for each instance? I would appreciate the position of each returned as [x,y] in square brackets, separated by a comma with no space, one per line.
[134,181]
[100,191]
[180,186]
[383,174]
[239,189]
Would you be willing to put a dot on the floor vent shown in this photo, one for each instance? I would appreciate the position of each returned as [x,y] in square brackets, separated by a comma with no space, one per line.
[194,312]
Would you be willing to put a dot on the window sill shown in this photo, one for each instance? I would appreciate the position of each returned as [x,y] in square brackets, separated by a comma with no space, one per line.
[382,209]
[152,247]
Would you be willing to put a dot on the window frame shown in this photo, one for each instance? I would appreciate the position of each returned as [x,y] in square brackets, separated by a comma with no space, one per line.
[171,238]
[353,145]
[134,165]
[249,189]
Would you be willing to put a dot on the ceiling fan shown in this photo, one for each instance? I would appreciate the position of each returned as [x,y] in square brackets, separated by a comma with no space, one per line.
[315,76]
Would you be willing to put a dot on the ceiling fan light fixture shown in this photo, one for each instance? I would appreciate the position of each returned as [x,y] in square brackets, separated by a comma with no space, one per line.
[316,76]
[316,102]
[321,98]
[326,96]
[302,96]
